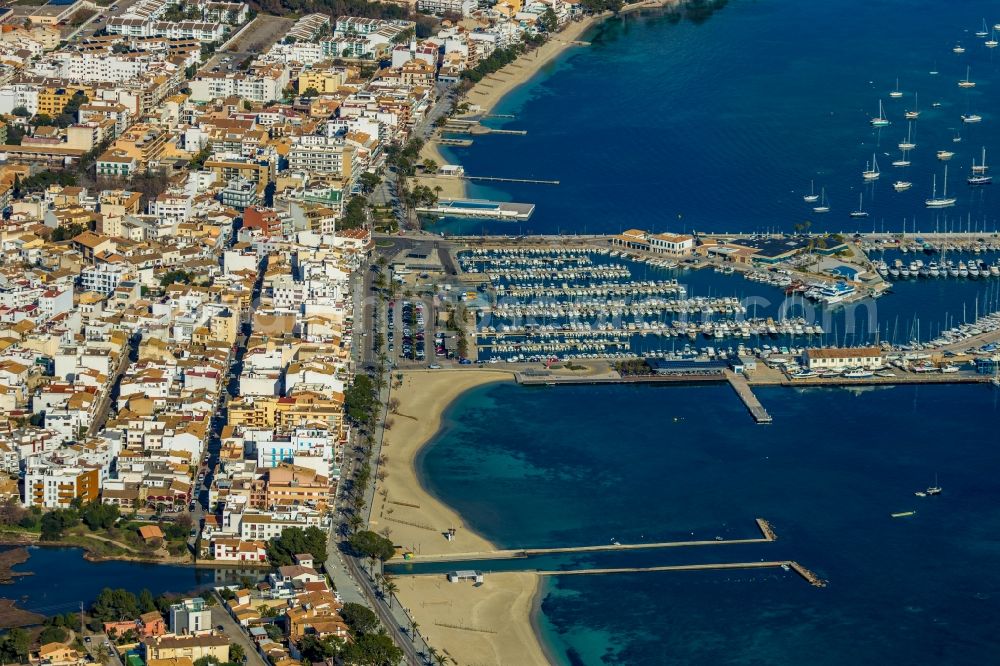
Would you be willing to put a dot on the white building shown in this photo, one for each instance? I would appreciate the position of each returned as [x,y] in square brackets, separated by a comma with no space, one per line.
[463,7]
[102,278]
[869,358]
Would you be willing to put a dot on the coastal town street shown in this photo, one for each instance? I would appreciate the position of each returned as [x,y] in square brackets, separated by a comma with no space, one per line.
[230,628]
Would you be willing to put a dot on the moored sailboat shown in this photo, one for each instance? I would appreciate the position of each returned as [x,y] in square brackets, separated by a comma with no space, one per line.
[812,196]
[824,206]
[967,82]
[871,172]
[880,120]
[943,201]
[860,212]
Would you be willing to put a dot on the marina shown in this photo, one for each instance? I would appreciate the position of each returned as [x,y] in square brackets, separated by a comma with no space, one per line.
[891,427]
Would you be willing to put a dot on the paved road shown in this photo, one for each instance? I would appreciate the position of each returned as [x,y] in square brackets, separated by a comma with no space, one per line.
[236,634]
[264,31]
[112,392]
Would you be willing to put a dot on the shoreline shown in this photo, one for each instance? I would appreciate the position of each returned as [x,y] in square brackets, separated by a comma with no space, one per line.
[491,623]
[416,518]
[493,88]
[91,556]
[489,91]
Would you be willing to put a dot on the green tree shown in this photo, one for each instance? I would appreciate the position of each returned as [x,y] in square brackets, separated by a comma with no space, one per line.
[100,516]
[175,277]
[355,213]
[52,635]
[374,649]
[114,605]
[236,653]
[147,604]
[207,660]
[369,544]
[55,522]
[20,112]
[549,20]
[369,181]
[295,540]
[359,618]
[14,646]
[359,399]
[315,649]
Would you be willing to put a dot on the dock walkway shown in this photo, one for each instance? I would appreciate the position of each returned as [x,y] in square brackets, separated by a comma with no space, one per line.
[767,536]
[746,394]
[808,575]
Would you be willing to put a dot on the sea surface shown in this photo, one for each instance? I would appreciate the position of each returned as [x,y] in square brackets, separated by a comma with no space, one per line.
[562,466]
[721,126]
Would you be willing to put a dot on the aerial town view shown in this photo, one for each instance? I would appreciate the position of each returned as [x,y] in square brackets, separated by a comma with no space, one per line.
[499,332]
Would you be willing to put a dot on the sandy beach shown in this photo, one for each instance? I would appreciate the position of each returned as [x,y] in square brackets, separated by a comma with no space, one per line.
[486,93]
[415,519]
[489,624]
[491,89]
[502,607]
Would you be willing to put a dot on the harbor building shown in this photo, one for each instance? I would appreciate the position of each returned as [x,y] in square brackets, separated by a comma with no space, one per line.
[870,358]
[663,243]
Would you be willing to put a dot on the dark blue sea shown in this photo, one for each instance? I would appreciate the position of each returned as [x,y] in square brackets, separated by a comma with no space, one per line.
[562,466]
[721,126]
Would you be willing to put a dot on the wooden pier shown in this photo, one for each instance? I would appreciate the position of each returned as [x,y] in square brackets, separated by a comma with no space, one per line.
[746,394]
[498,179]
[767,536]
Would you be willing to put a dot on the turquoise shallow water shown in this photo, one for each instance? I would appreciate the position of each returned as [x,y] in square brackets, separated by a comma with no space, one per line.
[721,126]
[583,465]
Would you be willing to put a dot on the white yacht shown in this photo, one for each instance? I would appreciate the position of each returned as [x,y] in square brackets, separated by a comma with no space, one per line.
[971,118]
[860,212]
[979,175]
[908,143]
[915,113]
[824,206]
[880,120]
[945,155]
[812,196]
[967,82]
[980,168]
[897,93]
[871,172]
[958,49]
[902,185]
[943,201]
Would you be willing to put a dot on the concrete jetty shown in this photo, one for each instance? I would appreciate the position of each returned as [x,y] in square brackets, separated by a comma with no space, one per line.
[767,535]
[500,179]
[746,394]
[806,574]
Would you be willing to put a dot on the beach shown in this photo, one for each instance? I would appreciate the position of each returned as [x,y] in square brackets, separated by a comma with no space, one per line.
[486,93]
[489,624]
[414,518]
[417,521]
